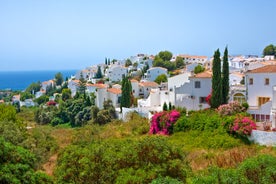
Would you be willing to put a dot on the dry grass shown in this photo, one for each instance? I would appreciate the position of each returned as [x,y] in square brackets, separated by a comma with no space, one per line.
[202,159]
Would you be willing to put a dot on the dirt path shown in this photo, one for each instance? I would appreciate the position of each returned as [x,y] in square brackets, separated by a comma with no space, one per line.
[63,137]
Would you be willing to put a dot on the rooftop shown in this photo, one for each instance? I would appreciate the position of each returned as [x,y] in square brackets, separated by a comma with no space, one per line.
[264,69]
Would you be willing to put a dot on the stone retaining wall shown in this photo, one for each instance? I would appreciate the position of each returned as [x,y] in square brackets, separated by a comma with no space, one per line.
[263,137]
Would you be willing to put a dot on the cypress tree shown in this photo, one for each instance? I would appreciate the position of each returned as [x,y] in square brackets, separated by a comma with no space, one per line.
[126,93]
[99,73]
[216,81]
[165,107]
[225,77]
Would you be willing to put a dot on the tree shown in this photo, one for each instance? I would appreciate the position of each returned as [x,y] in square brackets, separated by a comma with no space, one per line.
[105,61]
[128,63]
[216,81]
[99,73]
[225,77]
[269,50]
[199,69]
[126,93]
[82,84]
[33,87]
[161,78]
[66,94]
[179,62]
[163,60]
[42,99]
[165,107]
[59,79]
[165,55]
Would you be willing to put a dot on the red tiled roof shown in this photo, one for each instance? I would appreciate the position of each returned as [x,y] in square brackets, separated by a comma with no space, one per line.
[148,84]
[205,74]
[114,90]
[265,69]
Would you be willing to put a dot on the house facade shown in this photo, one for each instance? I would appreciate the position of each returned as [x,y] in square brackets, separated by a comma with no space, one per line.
[259,87]
[192,95]
[145,88]
[154,72]
[116,72]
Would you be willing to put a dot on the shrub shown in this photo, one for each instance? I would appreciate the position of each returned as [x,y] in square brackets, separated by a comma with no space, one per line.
[243,125]
[162,122]
[230,108]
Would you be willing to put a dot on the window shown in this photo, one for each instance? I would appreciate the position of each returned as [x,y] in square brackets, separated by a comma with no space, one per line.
[251,81]
[240,98]
[133,91]
[266,81]
[202,100]
[263,100]
[197,84]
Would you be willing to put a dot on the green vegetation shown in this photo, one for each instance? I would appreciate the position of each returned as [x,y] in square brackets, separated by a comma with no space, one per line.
[216,81]
[126,98]
[225,78]
[270,50]
[201,149]
[161,78]
[198,69]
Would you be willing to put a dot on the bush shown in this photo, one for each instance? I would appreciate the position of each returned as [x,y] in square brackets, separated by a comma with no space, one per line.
[259,169]
[162,122]
[243,126]
[231,108]
[121,161]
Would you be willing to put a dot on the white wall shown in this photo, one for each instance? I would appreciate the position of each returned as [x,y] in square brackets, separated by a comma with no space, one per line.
[259,89]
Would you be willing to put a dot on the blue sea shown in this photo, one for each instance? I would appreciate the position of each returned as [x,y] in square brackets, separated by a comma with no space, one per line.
[20,80]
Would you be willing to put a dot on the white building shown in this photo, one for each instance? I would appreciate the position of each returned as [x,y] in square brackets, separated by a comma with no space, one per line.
[46,84]
[135,87]
[73,85]
[259,84]
[192,95]
[116,72]
[145,88]
[154,72]
[175,82]
[104,94]
[235,78]
[194,59]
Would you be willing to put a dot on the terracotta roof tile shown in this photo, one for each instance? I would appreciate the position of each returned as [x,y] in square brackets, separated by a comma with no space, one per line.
[148,84]
[264,69]
[114,90]
[206,74]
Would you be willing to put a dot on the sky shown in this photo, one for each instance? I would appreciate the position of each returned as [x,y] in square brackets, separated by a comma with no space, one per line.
[74,34]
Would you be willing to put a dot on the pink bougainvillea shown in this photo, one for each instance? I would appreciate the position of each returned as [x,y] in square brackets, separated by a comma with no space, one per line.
[243,125]
[161,122]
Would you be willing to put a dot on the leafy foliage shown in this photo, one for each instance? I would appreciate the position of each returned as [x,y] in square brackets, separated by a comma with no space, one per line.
[124,161]
[59,79]
[270,50]
[259,169]
[161,78]
[199,69]
[17,165]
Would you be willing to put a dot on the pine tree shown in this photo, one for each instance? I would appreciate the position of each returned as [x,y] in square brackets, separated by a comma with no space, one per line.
[216,98]
[225,77]
[105,61]
[82,85]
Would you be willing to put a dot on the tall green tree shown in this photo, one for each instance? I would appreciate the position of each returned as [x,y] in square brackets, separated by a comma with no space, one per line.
[99,73]
[59,79]
[216,81]
[225,77]
[82,84]
[126,93]
[128,63]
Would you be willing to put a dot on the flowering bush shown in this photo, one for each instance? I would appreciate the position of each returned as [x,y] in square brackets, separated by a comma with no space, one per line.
[243,125]
[230,108]
[208,98]
[161,123]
